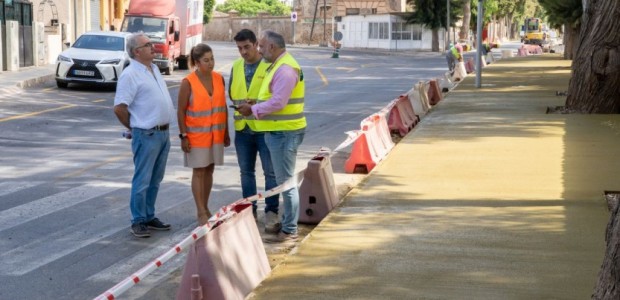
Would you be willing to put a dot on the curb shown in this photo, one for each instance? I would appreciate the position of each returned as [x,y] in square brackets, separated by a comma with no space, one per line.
[35,81]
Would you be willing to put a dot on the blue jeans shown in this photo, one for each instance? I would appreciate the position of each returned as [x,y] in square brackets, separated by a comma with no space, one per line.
[248,144]
[451,60]
[150,154]
[283,148]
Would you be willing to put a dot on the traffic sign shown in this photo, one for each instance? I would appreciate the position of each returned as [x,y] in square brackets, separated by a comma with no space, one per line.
[338,36]
[294,16]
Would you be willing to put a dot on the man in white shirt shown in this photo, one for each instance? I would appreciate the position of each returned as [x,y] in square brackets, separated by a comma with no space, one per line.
[143,105]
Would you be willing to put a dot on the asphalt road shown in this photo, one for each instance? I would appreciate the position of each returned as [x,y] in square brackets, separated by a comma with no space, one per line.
[65,171]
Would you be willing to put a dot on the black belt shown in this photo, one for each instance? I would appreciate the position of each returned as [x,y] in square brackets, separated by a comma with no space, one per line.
[160,127]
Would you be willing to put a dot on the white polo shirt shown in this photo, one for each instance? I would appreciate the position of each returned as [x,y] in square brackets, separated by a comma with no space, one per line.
[146,96]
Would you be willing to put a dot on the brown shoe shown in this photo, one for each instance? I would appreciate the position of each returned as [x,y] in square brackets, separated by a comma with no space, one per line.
[282,237]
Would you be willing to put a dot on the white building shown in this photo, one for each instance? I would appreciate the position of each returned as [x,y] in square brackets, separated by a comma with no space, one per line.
[384,31]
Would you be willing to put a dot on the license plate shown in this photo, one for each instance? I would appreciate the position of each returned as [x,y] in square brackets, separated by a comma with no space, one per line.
[84,73]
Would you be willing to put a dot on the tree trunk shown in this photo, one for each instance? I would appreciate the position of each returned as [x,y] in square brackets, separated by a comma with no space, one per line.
[571,40]
[595,84]
[435,40]
[464,33]
[511,26]
[607,285]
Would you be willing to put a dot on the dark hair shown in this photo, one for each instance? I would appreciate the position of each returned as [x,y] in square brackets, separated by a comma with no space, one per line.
[244,35]
[197,52]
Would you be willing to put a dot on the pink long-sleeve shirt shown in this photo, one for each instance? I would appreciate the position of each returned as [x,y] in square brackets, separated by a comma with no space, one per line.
[281,86]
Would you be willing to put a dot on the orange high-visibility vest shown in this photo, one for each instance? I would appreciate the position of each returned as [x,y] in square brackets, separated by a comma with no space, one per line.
[205,118]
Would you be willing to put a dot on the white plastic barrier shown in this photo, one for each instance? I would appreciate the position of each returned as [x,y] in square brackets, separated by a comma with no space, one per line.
[459,72]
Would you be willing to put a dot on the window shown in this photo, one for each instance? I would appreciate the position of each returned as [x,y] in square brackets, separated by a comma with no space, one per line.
[403,31]
[378,31]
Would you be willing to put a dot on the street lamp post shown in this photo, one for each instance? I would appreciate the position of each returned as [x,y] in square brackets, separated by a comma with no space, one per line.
[479,44]
[448,22]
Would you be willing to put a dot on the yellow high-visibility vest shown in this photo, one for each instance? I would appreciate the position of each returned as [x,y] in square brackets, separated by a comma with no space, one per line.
[291,117]
[239,91]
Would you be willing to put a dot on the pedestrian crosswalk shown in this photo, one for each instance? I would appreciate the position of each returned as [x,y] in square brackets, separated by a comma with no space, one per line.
[24,252]
[27,212]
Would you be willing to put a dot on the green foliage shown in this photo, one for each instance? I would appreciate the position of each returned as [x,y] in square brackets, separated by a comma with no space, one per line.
[561,12]
[250,8]
[208,11]
[432,13]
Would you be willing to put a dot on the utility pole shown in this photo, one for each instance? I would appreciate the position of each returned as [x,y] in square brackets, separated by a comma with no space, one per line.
[325,22]
[448,22]
[479,44]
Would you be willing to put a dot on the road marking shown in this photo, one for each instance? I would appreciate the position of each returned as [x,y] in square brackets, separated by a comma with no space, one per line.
[99,100]
[323,78]
[80,171]
[35,113]
[10,187]
[347,69]
[42,251]
[27,212]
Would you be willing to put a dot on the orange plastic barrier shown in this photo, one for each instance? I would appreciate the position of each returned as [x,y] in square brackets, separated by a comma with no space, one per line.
[434,93]
[372,146]
[230,259]
[402,116]
[317,193]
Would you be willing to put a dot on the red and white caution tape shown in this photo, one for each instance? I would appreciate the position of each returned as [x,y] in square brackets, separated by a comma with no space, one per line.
[223,214]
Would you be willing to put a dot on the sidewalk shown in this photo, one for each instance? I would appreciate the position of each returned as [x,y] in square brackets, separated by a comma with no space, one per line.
[488,198]
[14,82]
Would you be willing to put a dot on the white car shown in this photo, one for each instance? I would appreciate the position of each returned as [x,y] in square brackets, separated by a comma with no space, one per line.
[96,58]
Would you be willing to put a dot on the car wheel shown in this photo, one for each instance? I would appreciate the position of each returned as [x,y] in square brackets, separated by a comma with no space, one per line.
[62,84]
[169,70]
[183,64]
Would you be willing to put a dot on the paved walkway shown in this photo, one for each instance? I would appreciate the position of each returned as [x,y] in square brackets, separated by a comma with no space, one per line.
[488,198]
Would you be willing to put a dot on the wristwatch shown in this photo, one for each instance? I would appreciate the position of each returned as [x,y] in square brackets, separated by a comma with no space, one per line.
[182,136]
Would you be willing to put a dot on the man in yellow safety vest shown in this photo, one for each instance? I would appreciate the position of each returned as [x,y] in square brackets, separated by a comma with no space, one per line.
[245,81]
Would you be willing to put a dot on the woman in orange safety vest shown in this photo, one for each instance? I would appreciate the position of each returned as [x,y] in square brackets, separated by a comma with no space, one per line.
[203,125]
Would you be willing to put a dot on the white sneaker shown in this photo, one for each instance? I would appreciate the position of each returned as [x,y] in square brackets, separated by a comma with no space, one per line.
[272,222]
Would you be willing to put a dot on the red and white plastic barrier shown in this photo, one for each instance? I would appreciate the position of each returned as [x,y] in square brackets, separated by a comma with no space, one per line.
[230,259]
[470,66]
[402,115]
[418,96]
[372,145]
[434,93]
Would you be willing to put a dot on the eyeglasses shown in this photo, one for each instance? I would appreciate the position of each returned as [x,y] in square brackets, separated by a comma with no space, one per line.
[149,44]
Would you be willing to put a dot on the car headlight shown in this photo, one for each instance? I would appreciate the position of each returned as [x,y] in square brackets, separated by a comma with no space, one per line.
[64,58]
[159,56]
[110,61]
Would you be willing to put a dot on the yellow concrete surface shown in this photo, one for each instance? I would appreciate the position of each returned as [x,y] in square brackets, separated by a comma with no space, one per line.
[487,198]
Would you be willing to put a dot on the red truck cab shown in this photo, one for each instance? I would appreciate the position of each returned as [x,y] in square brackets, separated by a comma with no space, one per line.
[166,23]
